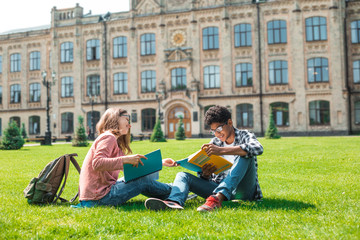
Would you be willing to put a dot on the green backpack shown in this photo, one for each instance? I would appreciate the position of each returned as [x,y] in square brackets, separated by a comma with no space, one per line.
[44,188]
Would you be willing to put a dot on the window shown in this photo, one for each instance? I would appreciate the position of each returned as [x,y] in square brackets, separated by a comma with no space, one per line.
[148,119]
[67,87]
[148,81]
[280,112]
[243,75]
[0,64]
[93,85]
[212,77]
[0,94]
[210,38]
[93,49]
[278,72]
[318,70]
[67,52]
[34,125]
[316,29]
[67,122]
[120,83]
[244,116]
[15,62]
[15,93]
[357,112]
[242,35]
[178,79]
[120,47]
[35,89]
[356,71]
[17,120]
[34,61]
[355,31]
[319,113]
[147,43]
[95,117]
[276,32]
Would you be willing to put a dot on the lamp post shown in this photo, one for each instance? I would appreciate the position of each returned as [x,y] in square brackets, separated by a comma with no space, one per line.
[158,99]
[92,125]
[48,85]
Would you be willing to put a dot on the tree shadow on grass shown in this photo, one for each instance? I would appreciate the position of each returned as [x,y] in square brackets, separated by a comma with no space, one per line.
[271,204]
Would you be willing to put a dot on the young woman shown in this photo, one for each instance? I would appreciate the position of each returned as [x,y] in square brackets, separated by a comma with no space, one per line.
[99,184]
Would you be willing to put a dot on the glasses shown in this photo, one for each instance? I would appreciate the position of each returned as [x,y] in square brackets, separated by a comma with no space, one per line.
[218,129]
[126,115]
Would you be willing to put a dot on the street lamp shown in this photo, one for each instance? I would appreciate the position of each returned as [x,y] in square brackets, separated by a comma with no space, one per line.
[48,85]
[158,96]
[92,125]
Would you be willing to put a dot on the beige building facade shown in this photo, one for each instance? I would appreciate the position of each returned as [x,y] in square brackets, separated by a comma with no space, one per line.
[300,58]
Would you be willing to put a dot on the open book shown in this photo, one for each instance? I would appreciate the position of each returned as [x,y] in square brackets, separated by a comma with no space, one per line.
[195,161]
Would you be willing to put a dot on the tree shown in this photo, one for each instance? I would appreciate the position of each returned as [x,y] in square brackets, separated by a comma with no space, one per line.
[23,131]
[157,135]
[180,132]
[271,131]
[80,139]
[12,137]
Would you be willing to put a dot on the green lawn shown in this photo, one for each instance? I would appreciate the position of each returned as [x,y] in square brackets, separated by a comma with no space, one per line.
[310,186]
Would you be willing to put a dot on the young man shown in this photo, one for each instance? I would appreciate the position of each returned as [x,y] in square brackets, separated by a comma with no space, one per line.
[239,182]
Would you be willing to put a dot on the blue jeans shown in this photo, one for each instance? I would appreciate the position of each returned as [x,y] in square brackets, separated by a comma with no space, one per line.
[121,192]
[240,183]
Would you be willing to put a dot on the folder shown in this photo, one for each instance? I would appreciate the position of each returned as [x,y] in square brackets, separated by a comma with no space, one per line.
[152,164]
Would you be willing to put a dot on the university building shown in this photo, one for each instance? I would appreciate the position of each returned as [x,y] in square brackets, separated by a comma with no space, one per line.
[299,59]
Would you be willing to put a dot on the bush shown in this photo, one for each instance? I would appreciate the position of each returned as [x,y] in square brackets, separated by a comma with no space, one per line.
[157,135]
[271,131]
[12,137]
[80,139]
[180,132]
[23,131]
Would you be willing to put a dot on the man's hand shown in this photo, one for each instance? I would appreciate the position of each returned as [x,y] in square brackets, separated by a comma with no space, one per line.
[168,162]
[208,169]
[211,149]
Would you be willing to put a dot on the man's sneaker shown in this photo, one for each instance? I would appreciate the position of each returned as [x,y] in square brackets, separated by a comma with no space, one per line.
[211,203]
[158,204]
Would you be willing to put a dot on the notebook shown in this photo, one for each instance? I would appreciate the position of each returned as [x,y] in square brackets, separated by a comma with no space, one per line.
[151,165]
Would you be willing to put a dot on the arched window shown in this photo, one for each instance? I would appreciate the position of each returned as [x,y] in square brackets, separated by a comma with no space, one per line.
[316,29]
[319,113]
[93,85]
[243,75]
[120,83]
[357,112]
[66,52]
[92,119]
[35,61]
[148,119]
[178,79]
[16,119]
[212,77]
[67,122]
[280,112]
[34,125]
[278,72]
[148,81]
[35,92]
[67,87]
[244,116]
[276,31]
[242,35]
[318,70]
[93,49]
[210,38]
[147,44]
[120,47]
[15,93]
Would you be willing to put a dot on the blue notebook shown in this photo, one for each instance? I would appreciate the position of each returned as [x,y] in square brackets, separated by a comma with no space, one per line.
[151,165]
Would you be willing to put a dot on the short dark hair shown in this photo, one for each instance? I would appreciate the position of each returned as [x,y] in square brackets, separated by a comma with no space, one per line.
[218,114]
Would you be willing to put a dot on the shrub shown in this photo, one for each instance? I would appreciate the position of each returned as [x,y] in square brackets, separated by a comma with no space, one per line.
[180,132]
[271,131]
[157,135]
[80,139]
[12,137]
[23,131]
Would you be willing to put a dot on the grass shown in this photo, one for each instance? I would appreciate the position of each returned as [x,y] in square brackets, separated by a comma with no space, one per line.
[310,186]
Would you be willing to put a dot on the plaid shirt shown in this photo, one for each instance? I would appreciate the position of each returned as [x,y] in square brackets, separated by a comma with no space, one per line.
[248,142]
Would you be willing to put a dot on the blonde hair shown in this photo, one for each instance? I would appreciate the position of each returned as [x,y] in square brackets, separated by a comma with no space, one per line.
[110,121]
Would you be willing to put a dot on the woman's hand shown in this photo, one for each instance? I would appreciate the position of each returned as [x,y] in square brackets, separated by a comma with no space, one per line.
[134,160]
[168,162]
[208,169]
[211,149]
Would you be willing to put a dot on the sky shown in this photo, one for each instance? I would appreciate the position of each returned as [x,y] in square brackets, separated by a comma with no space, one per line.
[18,14]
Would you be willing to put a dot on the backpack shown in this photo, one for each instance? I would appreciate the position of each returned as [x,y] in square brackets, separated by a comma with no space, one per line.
[43,189]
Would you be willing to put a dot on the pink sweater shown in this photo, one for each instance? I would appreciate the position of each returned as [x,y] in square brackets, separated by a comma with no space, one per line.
[101,167]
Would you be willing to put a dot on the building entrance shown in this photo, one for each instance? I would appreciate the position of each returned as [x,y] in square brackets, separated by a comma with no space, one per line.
[173,120]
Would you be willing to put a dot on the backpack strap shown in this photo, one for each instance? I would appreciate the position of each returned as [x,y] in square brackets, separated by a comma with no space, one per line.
[66,170]
[76,164]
